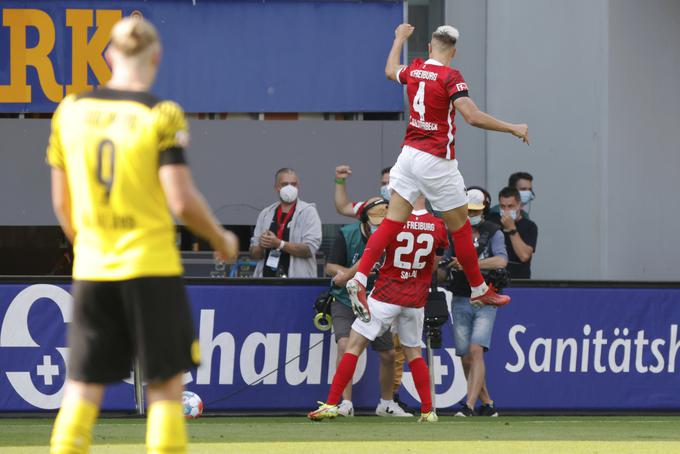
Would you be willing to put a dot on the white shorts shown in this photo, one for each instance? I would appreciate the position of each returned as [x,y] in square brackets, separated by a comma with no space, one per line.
[438,179]
[409,322]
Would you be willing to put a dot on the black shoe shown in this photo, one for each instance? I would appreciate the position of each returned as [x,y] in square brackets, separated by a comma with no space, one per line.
[401,404]
[465,411]
[488,410]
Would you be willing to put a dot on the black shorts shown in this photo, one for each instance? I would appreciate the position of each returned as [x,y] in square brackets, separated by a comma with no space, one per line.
[114,322]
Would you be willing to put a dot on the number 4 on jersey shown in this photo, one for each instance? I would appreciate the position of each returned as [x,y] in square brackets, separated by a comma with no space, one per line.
[419,101]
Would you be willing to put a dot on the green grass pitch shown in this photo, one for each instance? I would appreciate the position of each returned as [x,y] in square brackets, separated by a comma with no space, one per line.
[374,435]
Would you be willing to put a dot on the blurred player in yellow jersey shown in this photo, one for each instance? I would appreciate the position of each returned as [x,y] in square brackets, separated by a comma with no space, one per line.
[118,172]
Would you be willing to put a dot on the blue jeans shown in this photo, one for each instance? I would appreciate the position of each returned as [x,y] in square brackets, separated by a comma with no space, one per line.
[471,325]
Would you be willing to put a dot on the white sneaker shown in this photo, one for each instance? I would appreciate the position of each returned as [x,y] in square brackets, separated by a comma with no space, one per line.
[390,408]
[346,408]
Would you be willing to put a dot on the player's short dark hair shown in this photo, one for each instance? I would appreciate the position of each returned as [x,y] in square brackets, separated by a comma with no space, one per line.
[385,170]
[282,170]
[509,191]
[515,177]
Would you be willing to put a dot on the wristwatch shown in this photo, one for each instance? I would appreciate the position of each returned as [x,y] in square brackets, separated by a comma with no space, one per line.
[511,232]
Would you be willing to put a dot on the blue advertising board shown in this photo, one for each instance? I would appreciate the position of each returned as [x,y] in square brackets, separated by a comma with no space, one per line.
[218,56]
[552,349]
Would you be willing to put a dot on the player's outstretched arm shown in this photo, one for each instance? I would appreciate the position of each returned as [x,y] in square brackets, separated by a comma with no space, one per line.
[61,202]
[189,206]
[393,65]
[475,117]
[342,203]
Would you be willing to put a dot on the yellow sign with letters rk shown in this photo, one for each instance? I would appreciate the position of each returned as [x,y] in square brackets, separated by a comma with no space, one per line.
[85,53]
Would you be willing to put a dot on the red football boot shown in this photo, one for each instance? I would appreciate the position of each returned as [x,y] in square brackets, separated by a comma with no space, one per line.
[490,298]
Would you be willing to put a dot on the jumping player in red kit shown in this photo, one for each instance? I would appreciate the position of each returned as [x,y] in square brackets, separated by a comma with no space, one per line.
[398,298]
[427,163]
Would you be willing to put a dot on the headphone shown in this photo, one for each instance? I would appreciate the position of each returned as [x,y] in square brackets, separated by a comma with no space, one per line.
[487,198]
[363,216]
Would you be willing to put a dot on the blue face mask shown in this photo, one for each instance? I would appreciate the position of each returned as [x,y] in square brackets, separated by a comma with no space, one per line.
[527,196]
[475,220]
[385,192]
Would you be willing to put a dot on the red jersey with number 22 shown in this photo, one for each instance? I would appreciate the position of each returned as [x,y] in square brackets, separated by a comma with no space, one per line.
[432,88]
[406,276]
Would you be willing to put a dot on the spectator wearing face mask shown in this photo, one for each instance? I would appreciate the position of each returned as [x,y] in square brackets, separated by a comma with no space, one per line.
[521,234]
[524,183]
[287,234]
[385,183]
[473,325]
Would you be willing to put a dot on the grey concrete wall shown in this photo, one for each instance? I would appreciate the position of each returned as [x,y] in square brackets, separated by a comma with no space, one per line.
[233,164]
[597,82]
[24,176]
[546,66]
[469,17]
[643,156]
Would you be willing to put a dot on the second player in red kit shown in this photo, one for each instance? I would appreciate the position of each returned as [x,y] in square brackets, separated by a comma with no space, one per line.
[398,299]
[427,164]
[406,274]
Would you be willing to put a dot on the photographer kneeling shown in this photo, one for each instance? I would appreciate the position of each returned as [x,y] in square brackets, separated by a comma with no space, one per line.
[472,326]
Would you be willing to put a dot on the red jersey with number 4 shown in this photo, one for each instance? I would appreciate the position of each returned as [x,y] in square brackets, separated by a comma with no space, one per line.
[406,276]
[432,88]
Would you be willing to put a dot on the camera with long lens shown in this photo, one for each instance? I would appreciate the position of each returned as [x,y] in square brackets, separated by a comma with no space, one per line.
[498,278]
[436,314]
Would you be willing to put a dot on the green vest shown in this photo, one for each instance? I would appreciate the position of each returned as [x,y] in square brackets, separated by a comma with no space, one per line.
[354,244]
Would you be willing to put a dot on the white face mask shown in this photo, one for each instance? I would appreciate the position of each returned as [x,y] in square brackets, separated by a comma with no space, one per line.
[475,220]
[527,196]
[385,192]
[288,193]
[511,213]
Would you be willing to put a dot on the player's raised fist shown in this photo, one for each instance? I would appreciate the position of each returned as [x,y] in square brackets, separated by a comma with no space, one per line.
[227,247]
[521,132]
[404,31]
[343,171]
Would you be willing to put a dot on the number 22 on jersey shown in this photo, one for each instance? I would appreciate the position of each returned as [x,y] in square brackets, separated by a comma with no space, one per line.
[412,256]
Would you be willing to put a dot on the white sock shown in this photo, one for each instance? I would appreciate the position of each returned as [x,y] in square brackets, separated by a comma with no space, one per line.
[361,278]
[386,402]
[346,402]
[479,290]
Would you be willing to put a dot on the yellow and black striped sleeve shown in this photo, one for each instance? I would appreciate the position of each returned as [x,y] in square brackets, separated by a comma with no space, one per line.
[55,150]
[173,132]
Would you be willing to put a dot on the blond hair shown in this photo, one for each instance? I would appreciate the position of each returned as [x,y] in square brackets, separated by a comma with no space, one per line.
[446,35]
[133,36]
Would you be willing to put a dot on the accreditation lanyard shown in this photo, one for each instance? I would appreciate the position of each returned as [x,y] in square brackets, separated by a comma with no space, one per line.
[286,218]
